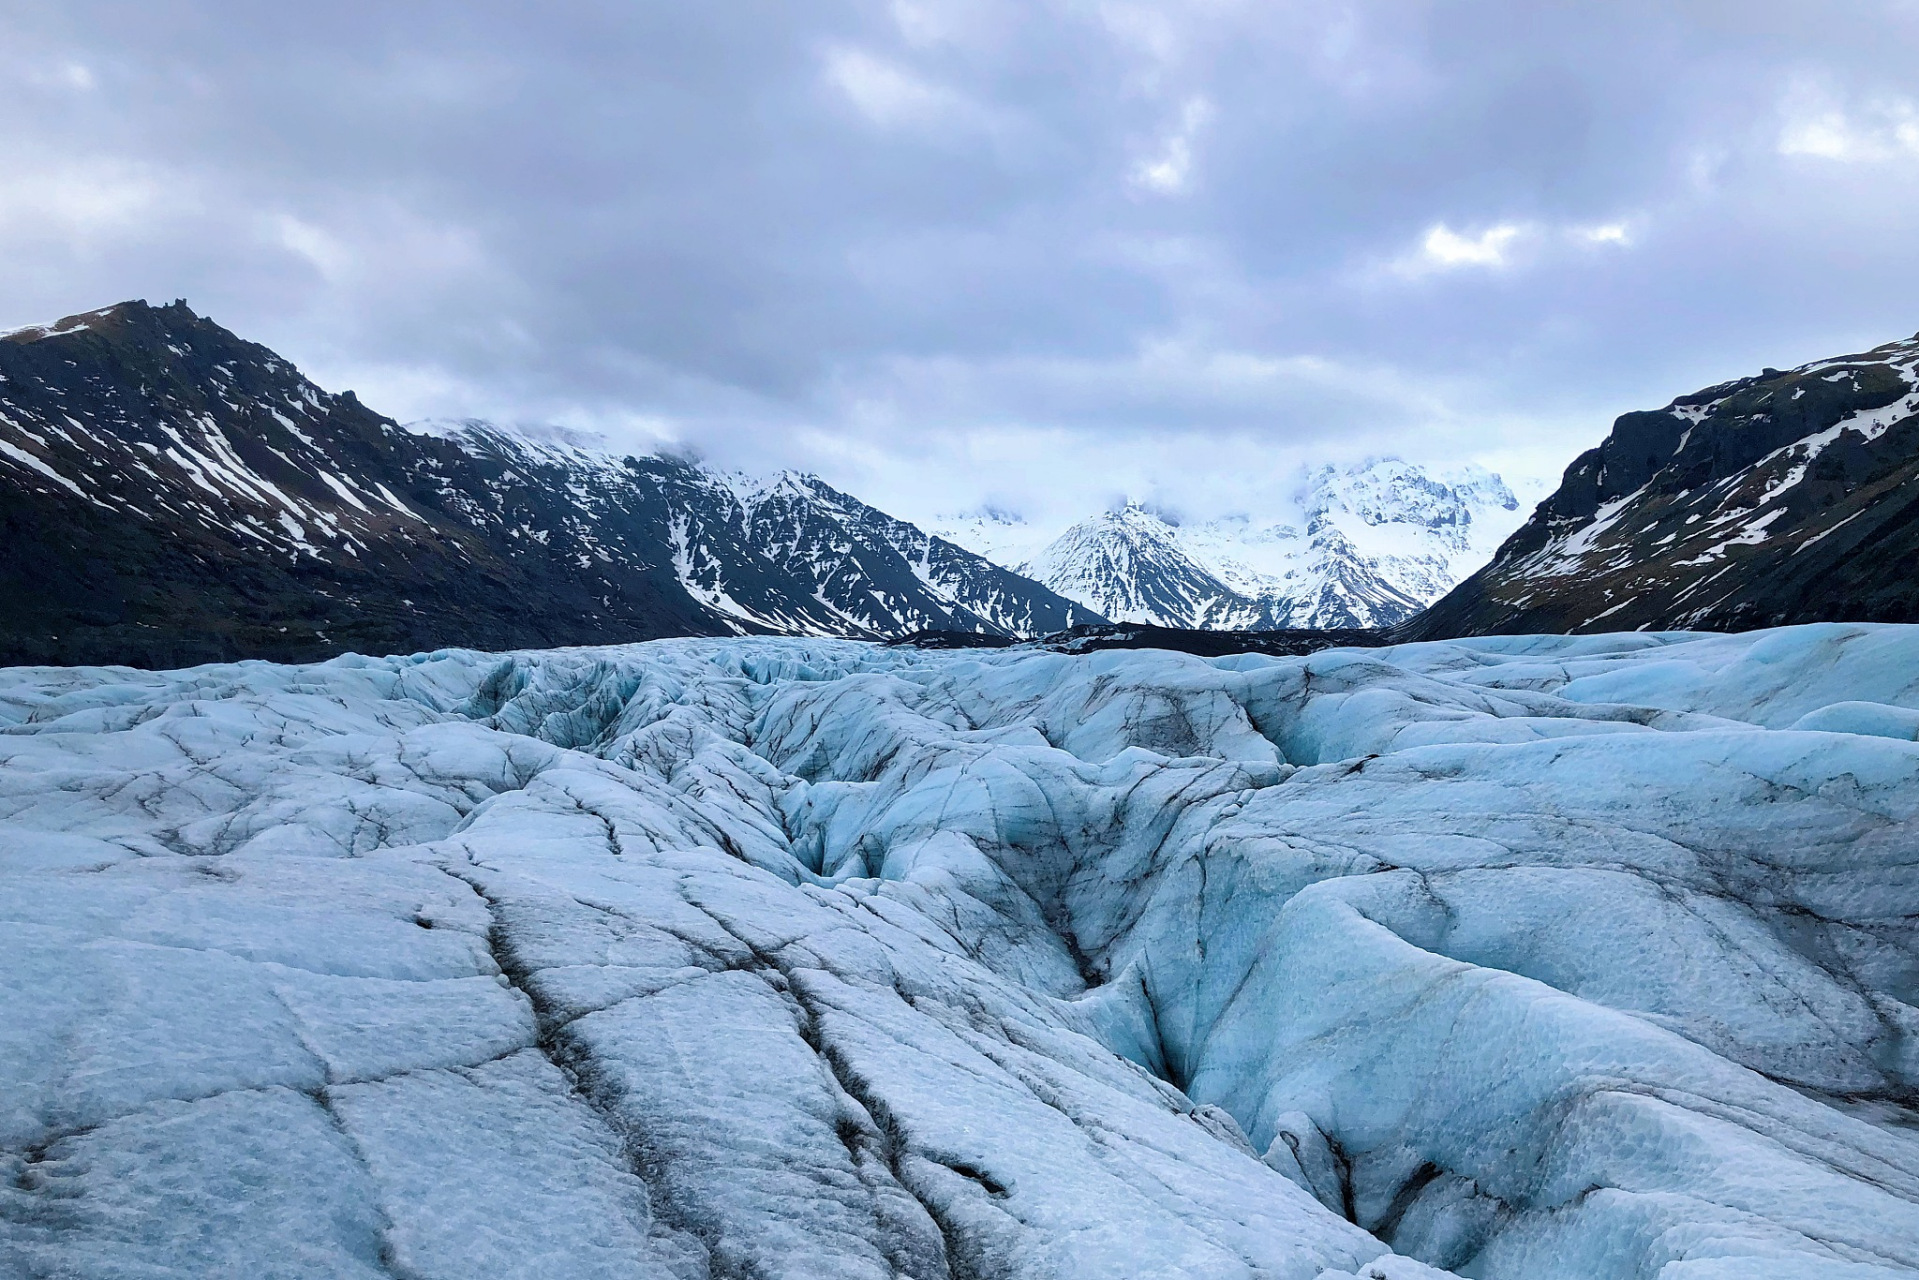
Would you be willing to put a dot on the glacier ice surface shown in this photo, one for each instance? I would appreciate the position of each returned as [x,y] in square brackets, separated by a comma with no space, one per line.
[1540,957]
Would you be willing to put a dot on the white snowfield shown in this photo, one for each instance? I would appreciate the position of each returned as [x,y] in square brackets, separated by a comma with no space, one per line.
[1531,958]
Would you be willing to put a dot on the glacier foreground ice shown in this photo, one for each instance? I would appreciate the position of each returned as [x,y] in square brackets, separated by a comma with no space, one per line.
[1526,957]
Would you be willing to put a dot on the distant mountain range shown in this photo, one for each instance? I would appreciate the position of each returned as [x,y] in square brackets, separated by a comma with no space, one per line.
[170,493]
[1781,498]
[1367,545]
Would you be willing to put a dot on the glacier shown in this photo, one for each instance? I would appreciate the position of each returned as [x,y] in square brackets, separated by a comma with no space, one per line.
[1563,958]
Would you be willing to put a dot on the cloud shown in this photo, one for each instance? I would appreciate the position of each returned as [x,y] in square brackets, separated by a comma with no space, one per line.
[79,199]
[1603,233]
[883,92]
[327,253]
[928,245]
[1883,130]
[1444,248]
[930,22]
[1169,168]
[62,75]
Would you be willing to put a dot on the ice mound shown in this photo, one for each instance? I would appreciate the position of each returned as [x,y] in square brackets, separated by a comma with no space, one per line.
[1526,958]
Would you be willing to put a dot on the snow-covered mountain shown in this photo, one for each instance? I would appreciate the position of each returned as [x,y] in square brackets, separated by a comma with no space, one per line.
[1780,498]
[1131,561]
[170,493]
[1547,958]
[1359,546]
[786,553]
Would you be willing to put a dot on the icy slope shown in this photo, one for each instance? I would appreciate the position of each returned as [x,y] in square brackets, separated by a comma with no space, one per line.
[1530,957]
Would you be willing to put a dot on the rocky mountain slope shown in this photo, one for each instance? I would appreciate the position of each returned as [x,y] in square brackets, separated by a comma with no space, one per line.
[1363,546]
[789,555]
[851,556]
[1545,958]
[170,493]
[1781,498]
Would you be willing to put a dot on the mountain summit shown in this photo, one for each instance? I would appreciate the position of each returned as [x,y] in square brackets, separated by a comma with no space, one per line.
[171,493]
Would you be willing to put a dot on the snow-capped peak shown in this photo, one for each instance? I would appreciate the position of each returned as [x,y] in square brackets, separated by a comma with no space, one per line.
[1129,564]
[1359,545]
[537,437]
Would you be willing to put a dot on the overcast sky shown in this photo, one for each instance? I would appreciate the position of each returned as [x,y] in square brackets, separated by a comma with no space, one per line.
[1030,252]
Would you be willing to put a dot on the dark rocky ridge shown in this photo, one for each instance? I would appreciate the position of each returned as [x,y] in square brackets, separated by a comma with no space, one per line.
[172,494]
[1280,642]
[1766,501]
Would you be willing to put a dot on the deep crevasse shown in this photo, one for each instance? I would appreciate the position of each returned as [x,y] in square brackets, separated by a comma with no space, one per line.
[1532,957]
